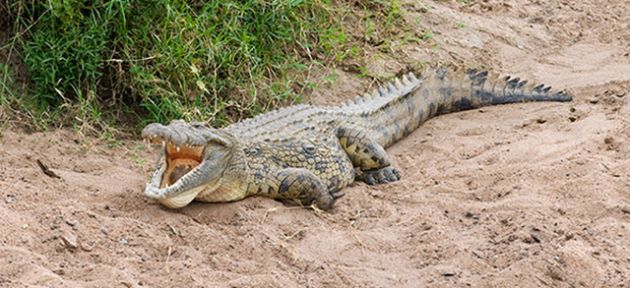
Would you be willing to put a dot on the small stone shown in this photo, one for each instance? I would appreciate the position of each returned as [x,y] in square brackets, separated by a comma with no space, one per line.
[541,120]
[123,241]
[59,272]
[71,222]
[87,247]
[70,241]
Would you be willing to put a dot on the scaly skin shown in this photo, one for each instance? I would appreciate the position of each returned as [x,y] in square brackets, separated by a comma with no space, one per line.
[307,153]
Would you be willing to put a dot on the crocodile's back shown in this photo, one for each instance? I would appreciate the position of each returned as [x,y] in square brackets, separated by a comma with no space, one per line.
[299,121]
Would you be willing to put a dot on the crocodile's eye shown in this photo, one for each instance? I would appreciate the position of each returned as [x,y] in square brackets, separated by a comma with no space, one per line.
[308,148]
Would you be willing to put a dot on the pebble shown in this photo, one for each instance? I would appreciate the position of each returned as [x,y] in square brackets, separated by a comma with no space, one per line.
[70,241]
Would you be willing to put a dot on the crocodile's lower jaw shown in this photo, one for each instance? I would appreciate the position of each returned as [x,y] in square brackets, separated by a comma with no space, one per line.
[182,199]
[185,198]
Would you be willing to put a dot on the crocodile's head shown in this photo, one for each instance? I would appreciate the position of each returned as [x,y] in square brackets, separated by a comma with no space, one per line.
[193,160]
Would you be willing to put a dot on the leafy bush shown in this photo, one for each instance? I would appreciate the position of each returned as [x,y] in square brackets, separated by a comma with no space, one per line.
[89,60]
[168,59]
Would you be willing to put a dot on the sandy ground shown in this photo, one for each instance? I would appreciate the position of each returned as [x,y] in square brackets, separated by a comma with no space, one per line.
[527,195]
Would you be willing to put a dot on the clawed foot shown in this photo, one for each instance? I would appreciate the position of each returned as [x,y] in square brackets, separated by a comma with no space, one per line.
[327,202]
[380,176]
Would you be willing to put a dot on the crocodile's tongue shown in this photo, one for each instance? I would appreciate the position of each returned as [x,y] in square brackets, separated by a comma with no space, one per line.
[176,169]
[180,161]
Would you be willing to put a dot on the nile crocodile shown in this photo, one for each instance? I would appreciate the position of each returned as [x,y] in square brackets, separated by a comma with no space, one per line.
[309,153]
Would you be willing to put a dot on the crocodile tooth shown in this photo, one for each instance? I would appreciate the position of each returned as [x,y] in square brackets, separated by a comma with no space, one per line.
[358,100]
[367,97]
[412,77]
[163,143]
[177,148]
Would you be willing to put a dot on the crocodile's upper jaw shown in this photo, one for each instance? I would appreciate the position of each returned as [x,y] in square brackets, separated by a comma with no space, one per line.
[189,165]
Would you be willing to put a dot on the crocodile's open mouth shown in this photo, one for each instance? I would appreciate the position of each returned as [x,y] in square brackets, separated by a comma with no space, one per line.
[179,161]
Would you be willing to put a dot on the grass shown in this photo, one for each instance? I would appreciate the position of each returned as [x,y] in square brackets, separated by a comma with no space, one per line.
[98,64]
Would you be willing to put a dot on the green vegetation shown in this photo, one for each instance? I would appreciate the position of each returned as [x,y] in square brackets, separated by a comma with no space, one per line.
[95,63]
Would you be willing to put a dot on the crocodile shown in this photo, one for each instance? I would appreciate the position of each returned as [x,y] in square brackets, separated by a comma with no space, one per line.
[308,154]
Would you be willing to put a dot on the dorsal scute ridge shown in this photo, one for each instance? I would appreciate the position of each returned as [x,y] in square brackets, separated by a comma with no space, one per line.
[388,92]
[378,97]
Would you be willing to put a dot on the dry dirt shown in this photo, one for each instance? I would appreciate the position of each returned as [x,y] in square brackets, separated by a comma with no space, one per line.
[526,195]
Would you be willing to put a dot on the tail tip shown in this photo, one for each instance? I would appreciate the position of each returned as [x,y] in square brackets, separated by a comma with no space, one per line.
[564,96]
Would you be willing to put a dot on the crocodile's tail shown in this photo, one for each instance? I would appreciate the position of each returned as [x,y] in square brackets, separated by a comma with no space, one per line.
[396,110]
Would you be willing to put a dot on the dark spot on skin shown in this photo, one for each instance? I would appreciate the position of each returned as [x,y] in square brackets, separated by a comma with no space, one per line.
[365,150]
[333,182]
[432,110]
[383,132]
[442,109]
[339,162]
[499,99]
[446,92]
[284,186]
[396,127]
[259,176]
[485,96]
[406,131]
[321,166]
[420,116]
[465,104]
[375,158]
[410,105]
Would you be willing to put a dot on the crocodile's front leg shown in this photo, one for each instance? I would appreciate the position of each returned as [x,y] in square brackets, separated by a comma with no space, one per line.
[367,155]
[297,184]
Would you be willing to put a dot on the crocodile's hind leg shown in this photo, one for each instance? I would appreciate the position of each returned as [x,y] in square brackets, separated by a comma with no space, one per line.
[368,156]
[303,186]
